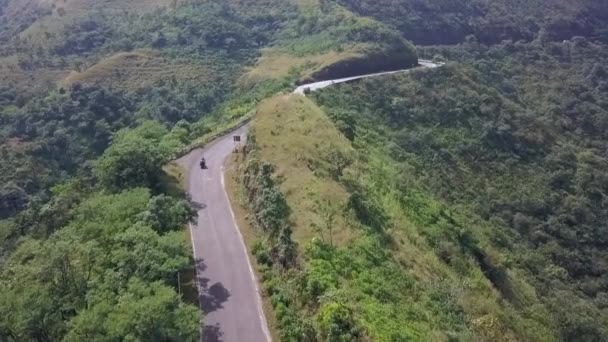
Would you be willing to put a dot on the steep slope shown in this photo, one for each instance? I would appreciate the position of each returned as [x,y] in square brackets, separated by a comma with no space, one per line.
[530,180]
[343,246]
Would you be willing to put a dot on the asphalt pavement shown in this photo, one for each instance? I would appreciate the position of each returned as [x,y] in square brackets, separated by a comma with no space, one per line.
[422,63]
[228,291]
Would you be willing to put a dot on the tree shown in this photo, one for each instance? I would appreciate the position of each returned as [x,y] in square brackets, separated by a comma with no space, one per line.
[131,161]
[337,323]
[327,213]
[338,160]
[165,213]
[141,252]
[12,199]
[142,312]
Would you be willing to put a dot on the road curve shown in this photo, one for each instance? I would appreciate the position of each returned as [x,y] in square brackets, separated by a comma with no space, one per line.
[228,291]
[422,63]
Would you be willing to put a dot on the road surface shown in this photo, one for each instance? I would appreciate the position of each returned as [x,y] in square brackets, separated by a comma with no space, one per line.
[324,84]
[228,291]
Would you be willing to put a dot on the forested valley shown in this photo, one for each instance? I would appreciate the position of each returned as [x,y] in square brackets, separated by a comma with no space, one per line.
[463,203]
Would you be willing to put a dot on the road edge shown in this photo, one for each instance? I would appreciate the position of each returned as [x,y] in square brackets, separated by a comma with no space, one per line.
[260,307]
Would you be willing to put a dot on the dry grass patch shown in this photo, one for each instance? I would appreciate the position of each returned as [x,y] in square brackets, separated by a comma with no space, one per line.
[29,81]
[293,134]
[136,70]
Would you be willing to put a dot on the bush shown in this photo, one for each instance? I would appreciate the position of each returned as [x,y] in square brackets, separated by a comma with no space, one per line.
[336,323]
[134,159]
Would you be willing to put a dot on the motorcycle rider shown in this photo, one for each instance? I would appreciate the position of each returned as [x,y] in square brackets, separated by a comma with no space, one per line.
[203,163]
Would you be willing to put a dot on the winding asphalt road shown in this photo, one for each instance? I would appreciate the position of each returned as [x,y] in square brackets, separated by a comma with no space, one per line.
[228,290]
[423,63]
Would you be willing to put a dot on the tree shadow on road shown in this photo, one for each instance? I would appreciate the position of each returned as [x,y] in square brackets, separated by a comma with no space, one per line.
[198,206]
[212,297]
[212,333]
[200,266]
[189,281]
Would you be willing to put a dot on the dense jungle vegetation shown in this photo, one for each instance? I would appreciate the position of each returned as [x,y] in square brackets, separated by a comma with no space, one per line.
[463,203]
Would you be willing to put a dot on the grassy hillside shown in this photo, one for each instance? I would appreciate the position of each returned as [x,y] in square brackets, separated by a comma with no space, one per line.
[488,173]
[365,267]
[138,70]
[525,167]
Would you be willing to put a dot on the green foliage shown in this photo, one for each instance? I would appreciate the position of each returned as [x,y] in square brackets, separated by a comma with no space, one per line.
[142,311]
[12,200]
[336,323]
[320,277]
[331,27]
[490,22]
[104,275]
[54,136]
[83,37]
[165,214]
[516,161]
[134,159]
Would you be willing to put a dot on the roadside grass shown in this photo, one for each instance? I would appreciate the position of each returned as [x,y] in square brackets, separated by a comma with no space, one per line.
[220,127]
[188,288]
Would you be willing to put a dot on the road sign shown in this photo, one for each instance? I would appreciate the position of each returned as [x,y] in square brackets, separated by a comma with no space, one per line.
[237,138]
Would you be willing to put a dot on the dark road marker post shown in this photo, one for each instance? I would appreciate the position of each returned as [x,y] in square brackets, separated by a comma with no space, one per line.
[237,143]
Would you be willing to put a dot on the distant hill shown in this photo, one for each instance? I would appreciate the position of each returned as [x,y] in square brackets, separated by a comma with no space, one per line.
[40,21]
[450,22]
[135,71]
